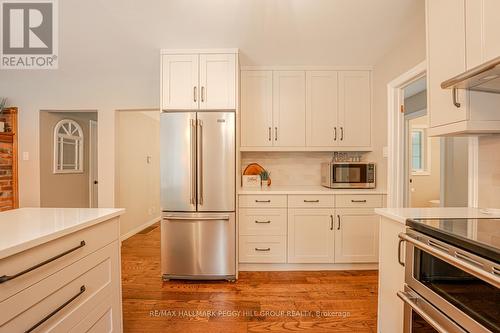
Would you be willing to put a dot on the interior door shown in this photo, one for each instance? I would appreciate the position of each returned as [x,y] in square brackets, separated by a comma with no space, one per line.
[289,108]
[354,109]
[93,169]
[356,235]
[180,82]
[178,161]
[216,161]
[256,108]
[310,236]
[218,81]
[322,108]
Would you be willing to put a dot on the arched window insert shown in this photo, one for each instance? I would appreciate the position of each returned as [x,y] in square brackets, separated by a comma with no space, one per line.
[68,147]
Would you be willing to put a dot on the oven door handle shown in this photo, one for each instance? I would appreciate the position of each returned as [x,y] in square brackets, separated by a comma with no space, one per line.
[410,299]
[457,262]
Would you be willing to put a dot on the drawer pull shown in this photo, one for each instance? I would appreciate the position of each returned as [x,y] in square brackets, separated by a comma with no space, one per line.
[361,201]
[50,315]
[311,200]
[268,221]
[5,278]
[262,200]
[262,249]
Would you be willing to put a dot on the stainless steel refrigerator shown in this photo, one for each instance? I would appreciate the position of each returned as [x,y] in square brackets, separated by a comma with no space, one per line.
[198,228]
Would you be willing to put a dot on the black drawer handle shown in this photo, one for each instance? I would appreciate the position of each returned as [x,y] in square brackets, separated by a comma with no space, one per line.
[268,221]
[311,200]
[358,200]
[5,278]
[262,200]
[47,317]
[260,249]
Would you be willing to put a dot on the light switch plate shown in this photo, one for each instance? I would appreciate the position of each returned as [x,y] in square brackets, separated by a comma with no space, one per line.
[26,156]
[385,152]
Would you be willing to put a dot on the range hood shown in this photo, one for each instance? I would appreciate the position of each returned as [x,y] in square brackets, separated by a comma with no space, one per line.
[485,77]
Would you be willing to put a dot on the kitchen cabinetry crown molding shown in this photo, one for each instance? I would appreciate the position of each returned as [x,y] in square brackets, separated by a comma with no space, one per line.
[305,68]
[197,51]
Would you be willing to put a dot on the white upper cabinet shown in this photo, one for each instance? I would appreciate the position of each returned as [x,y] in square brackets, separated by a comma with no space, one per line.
[317,110]
[256,108]
[469,38]
[322,108]
[217,81]
[198,81]
[356,236]
[354,109]
[289,108]
[179,81]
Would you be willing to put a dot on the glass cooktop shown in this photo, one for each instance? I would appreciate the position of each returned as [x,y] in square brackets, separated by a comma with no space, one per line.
[478,236]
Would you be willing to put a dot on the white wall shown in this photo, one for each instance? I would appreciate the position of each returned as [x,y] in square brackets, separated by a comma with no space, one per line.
[108,57]
[138,185]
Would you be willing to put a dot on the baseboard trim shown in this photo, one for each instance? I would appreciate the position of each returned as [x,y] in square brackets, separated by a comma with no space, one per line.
[139,228]
[306,267]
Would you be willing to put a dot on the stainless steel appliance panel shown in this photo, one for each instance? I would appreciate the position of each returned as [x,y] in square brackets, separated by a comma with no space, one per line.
[178,161]
[198,246]
[216,161]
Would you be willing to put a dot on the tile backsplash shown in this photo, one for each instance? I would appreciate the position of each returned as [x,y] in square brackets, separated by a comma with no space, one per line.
[290,168]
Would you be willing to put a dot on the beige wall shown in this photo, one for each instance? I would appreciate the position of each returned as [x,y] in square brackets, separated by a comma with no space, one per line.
[63,190]
[489,171]
[138,182]
[426,187]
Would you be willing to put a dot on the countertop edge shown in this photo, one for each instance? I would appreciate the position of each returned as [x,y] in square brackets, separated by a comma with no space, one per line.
[437,213]
[242,191]
[21,247]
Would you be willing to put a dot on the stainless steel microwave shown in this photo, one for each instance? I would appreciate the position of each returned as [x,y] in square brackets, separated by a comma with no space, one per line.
[348,175]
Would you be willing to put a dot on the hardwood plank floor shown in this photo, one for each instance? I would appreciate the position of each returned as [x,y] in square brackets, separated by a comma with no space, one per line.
[320,302]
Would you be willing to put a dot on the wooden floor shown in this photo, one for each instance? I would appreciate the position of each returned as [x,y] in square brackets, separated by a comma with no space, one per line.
[317,302]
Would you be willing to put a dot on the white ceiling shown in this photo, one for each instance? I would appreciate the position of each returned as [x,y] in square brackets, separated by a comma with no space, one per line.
[338,32]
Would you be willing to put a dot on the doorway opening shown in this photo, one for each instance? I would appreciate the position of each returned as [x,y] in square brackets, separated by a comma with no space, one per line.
[68,158]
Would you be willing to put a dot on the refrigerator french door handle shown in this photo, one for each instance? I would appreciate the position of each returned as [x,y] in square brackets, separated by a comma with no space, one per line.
[193,161]
[200,161]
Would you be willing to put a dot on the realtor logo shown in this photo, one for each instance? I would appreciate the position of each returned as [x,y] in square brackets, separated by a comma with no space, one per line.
[29,34]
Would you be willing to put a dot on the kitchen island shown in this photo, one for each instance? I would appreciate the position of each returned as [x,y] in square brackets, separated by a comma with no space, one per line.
[60,270]
[391,255]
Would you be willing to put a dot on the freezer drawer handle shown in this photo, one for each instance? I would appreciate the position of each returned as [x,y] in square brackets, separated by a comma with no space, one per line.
[268,221]
[262,200]
[5,278]
[311,200]
[62,306]
[196,218]
[261,249]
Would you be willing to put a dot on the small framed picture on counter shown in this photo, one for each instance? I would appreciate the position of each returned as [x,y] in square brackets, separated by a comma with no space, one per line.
[250,181]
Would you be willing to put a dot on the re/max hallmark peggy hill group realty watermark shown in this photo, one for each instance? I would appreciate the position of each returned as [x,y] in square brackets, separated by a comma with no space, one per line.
[29,34]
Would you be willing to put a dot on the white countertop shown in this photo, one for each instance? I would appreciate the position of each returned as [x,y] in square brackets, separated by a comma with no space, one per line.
[317,189]
[402,214]
[24,228]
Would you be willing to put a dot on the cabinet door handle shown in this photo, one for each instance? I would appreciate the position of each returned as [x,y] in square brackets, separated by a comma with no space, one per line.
[269,136]
[5,278]
[400,260]
[268,221]
[194,94]
[202,94]
[331,222]
[261,249]
[311,200]
[358,201]
[59,308]
[338,218]
[262,200]
[335,134]
[276,134]
[455,98]
[341,133]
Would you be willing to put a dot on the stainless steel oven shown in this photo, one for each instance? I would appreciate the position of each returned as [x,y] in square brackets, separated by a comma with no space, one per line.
[348,175]
[447,288]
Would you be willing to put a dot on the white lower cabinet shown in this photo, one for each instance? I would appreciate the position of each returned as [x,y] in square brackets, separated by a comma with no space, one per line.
[356,235]
[262,249]
[310,235]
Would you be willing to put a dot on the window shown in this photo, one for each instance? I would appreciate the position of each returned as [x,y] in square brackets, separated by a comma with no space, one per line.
[68,147]
[419,151]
